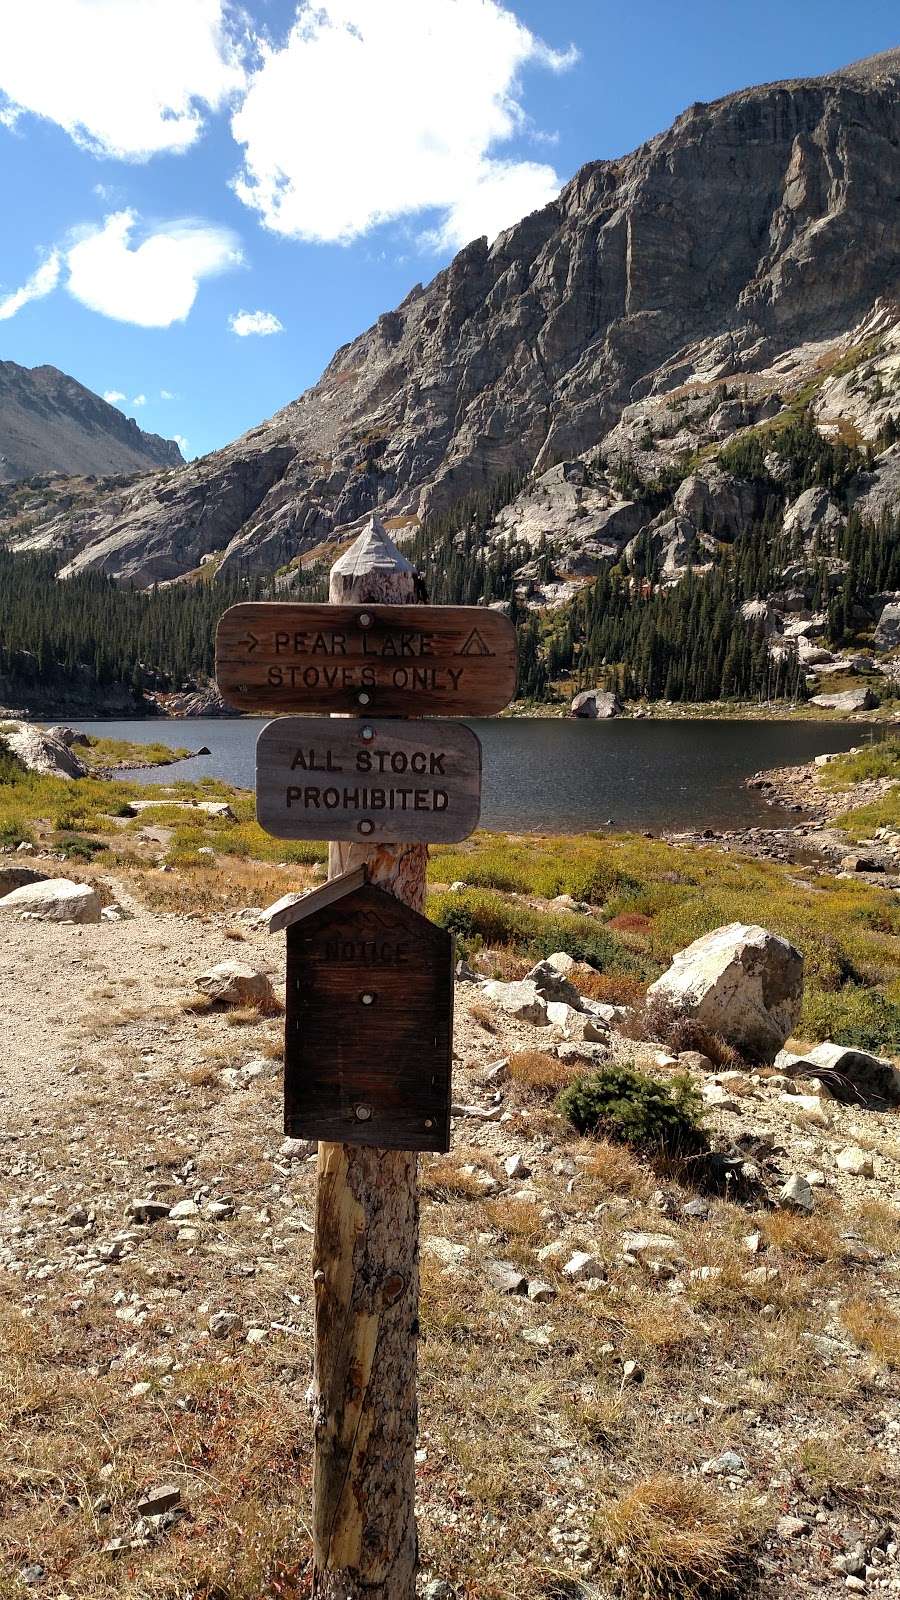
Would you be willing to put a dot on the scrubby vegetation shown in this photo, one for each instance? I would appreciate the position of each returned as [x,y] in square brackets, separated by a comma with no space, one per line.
[648,899]
[629,1107]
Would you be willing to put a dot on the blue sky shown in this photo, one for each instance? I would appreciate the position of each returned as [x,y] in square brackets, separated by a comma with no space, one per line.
[169,165]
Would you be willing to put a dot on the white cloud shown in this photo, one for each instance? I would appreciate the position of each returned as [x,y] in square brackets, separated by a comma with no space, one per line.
[113,396]
[165,394]
[503,192]
[139,400]
[262,322]
[182,444]
[42,281]
[155,283]
[124,78]
[373,111]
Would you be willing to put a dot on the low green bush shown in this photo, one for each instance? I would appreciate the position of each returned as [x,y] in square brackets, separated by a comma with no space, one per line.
[78,846]
[481,917]
[629,1107]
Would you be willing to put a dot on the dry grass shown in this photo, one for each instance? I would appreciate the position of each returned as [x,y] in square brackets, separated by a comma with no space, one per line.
[616,1170]
[814,1238]
[538,1073]
[671,1539]
[483,1017]
[612,988]
[78,1455]
[874,1327]
[443,1180]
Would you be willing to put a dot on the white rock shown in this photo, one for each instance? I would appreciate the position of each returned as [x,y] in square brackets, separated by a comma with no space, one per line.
[520,1000]
[223,1323]
[540,1292]
[297,1149]
[796,1194]
[182,1210]
[233,983]
[515,1167]
[654,1244]
[563,962]
[553,1251]
[54,900]
[847,1072]
[740,980]
[728,1462]
[856,1162]
[582,1265]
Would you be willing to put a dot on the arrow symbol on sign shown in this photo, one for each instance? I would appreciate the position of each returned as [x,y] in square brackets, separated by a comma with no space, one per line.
[249,644]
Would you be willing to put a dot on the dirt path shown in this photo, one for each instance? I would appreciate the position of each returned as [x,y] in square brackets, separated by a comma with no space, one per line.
[177,1351]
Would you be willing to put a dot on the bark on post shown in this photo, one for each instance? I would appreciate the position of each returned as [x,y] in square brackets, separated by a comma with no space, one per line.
[366,1263]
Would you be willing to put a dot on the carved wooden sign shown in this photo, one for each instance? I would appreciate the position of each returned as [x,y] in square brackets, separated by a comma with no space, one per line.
[369,1020]
[371,780]
[411,661]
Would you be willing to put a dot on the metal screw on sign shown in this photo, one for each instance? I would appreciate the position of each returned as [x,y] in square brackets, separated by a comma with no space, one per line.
[363,699]
[365,621]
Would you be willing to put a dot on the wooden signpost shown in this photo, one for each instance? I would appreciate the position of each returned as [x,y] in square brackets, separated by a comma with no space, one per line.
[369,1008]
[337,778]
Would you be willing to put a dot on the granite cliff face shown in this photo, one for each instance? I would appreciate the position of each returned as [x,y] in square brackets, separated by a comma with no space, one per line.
[49,423]
[765,223]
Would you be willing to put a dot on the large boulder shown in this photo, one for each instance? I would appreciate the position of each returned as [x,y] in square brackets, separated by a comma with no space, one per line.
[234,983]
[596,703]
[848,700]
[887,634]
[717,501]
[54,900]
[39,750]
[17,877]
[742,982]
[812,512]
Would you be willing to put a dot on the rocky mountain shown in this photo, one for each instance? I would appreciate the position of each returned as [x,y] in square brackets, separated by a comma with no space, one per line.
[737,271]
[50,423]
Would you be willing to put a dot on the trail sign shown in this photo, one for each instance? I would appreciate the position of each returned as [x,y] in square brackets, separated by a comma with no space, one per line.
[367,780]
[369,1020]
[392,660]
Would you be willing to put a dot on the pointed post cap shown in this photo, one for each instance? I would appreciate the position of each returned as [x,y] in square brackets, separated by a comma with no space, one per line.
[373,569]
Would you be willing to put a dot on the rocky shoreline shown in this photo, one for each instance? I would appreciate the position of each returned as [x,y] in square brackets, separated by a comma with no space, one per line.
[812,842]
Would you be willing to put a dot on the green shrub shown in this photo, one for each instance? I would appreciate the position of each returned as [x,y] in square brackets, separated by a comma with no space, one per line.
[488,918]
[631,1108]
[862,1017]
[77,846]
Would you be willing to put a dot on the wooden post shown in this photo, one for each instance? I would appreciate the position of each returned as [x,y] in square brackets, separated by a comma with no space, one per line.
[366,1262]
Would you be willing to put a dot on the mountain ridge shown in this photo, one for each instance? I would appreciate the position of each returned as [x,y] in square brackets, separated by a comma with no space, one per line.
[51,423]
[763,222]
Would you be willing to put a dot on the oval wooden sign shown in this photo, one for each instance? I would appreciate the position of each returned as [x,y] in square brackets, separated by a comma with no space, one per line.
[368,780]
[397,661]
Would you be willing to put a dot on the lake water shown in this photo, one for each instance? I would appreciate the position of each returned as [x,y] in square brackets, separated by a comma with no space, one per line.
[566,776]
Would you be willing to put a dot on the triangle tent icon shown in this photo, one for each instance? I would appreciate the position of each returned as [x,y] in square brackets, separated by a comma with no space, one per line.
[474,646]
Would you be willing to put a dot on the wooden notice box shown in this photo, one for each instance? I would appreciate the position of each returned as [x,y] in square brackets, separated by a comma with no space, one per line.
[369,1020]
